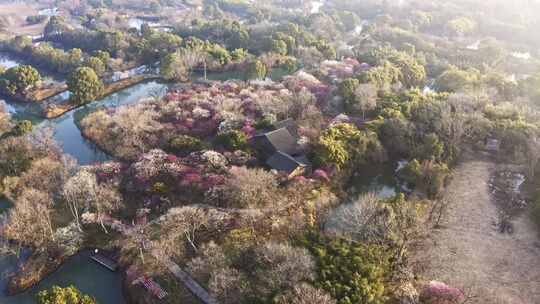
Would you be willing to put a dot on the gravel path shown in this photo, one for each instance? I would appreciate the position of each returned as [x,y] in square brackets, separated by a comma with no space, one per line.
[469,252]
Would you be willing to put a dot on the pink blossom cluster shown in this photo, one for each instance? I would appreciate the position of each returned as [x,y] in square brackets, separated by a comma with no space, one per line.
[301,79]
[191,171]
[109,170]
[198,110]
[189,114]
[340,69]
[440,293]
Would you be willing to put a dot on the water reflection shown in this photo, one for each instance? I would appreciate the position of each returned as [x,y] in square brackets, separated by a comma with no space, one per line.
[381,180]
[66,130]
[80,271]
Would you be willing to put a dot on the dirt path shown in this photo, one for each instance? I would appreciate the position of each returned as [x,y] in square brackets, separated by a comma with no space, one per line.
[469,252]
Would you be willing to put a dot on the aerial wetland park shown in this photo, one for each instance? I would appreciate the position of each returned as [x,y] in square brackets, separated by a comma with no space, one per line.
[269,152]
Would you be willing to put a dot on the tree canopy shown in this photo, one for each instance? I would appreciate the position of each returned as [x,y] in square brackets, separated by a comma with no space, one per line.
[60,295]
[85,85]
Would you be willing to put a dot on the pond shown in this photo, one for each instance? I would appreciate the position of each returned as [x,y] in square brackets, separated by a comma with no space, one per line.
[381,180]
[80,271]
[4,205]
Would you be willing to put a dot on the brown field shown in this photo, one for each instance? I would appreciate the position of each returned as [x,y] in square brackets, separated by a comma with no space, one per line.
[14,15]
[469,251]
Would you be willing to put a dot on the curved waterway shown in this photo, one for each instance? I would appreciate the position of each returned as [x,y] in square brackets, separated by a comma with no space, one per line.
[65,128]
[80,271]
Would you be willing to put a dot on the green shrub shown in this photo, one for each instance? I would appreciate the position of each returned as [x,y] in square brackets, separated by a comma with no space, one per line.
[22,127]
[159,187]
[58,295]
[233,140]
[344,145]
[185,144]
[427,176]
[351,272]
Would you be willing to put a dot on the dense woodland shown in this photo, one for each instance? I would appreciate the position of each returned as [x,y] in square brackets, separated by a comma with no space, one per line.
[368,83]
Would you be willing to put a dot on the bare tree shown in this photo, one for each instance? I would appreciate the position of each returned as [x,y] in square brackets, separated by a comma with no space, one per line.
[79,191]
[365,97]
[249,188]
[138,126]
[281,266]
[107,201]
[362,220]
[228,285]
[304,293]
[181,223]
[30,220]
[5,121]
[82,192]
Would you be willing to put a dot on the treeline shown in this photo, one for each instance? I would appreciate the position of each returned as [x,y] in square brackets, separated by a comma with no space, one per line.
[56,60]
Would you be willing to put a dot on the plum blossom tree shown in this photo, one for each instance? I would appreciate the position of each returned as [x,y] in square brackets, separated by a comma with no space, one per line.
[30,220]
[83,192]
[248,188]
[282,266]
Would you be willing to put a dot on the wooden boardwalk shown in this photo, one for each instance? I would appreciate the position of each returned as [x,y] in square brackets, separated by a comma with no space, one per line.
[188,281]
[105,262]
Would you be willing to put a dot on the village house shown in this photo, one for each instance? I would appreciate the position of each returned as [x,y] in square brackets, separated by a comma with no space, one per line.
[280,150]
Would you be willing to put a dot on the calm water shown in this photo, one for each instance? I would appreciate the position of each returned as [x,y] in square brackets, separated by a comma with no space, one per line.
[80,271]
[89,277]
[7,62]
[4,205]
[381,180]
[68,134]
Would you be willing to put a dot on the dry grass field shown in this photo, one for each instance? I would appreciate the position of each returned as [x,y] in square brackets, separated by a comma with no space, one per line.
[14,16]
[471,253]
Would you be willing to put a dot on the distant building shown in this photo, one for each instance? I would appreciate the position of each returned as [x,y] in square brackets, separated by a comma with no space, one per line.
[292,166]
[280,149]
[277,140]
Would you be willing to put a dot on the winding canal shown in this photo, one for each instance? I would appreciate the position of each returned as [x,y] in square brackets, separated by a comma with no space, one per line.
[80,271]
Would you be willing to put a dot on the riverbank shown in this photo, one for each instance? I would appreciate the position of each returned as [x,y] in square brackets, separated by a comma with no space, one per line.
[34,270]
[39,266]
[56,108]
[470,250]
[39,94]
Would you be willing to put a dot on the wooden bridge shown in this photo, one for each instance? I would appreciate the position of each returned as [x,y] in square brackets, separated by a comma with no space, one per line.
[186,279]
[105,262]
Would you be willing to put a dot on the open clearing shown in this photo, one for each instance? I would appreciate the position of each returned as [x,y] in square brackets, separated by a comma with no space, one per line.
[469,252]
[14,14]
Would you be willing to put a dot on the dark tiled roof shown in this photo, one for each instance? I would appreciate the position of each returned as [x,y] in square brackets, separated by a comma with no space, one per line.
[278,140]
[283,162]
[289,124]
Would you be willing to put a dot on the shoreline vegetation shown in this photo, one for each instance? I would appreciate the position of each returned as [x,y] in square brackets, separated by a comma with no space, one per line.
[56,109]
[329,143]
